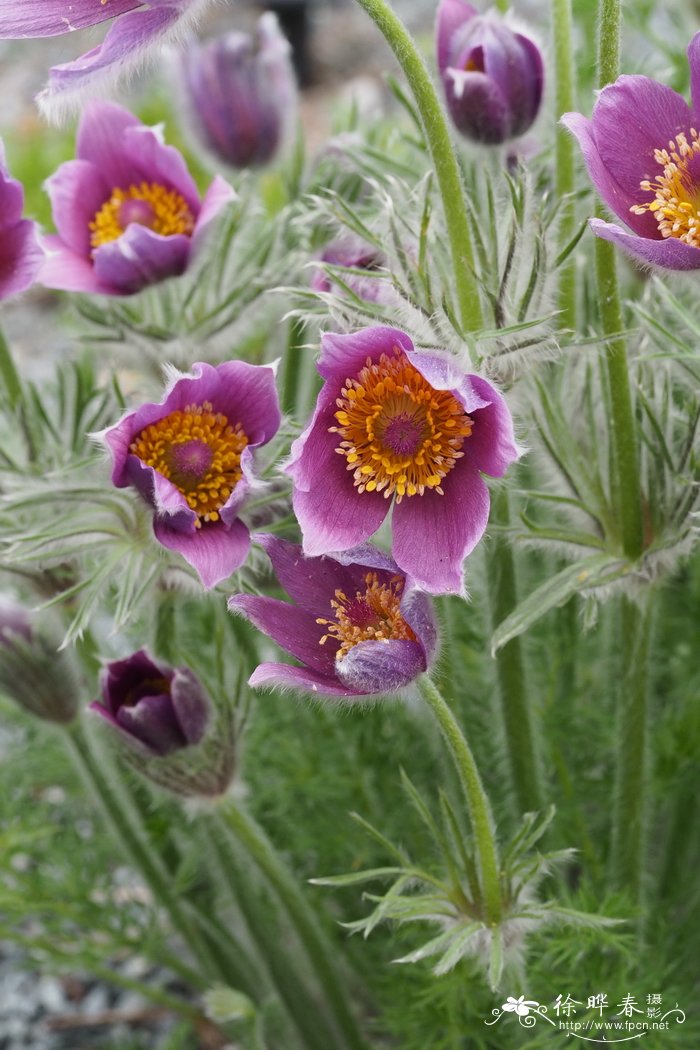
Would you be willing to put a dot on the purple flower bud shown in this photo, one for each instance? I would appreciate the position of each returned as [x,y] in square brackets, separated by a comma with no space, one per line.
[242,97]
[14,622]
[356,254]
[492,76]
[156,707]
[37,677]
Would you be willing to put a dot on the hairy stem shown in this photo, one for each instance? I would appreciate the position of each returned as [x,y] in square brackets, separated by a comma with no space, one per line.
[477,801]
[437,135]
[565,169]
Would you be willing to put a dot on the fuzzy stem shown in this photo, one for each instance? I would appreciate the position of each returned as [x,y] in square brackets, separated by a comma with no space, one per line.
[629,817]
[513,689]
[136,847]
[437,136]
[565,168]
[626,461]
[320,954]
[477,800]
[293,360]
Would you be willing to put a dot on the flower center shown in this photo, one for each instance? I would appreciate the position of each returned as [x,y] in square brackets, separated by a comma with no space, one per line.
[676,203]
[164,211]
[399,435]
[199,451]
[371,616]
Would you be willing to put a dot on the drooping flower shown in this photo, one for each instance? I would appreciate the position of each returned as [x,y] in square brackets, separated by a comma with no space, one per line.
[191,458]
[358,625]
[352,253]
[162,708]
[127,210]
[492,76]
[642,151]
[135,36]
[242,96]
[397,425]
[20,254]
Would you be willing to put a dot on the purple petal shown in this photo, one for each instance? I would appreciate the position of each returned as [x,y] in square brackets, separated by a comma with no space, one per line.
[77,191]
[451,15]
[214,551]
[433,534]
[477,105]
[140,257]
[670,253]
[120,677]
[147,158]
[694,63]
[219,195]
[63,269]
[443,372]
[20,258]
[302,679]
[152,720]
[609,190]
[294,629]
[343,356]
[190,704]
[491,446]
[158,491]
[381,667]
[100,141]
[418,611]
[31,18]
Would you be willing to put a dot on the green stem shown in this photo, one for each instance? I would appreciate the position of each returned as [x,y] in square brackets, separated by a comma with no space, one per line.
[477,800]
[510,668]
[136,847]
[626,460]
[565,167]
[261,851]
[443,155]
[629,816]
[292,366]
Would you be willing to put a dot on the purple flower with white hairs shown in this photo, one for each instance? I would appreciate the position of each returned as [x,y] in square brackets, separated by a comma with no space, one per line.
[492,76]
[354,254]
[20,254]
[134,37]
[358,625]
[127,210]
[154,707]
[242,96]
[397,425]
[642,151]
[191,458]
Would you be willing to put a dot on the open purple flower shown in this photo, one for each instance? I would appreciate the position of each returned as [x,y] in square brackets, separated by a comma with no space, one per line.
[642,151]
[154,707]
[242,97]
[127,211]
[191,458]
[354,254]
[492,76]
[359,626]
[20,254]
[131,39]
[395,424]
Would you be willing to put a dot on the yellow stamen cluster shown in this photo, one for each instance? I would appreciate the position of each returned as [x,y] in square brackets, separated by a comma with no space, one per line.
[398,434]
[199,451]
[371,616]
[165,212]
[676,203]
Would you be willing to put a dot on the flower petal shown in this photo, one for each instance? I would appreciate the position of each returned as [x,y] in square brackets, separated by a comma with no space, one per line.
[294,629]
[37,18]
[152,720]
[694,63]
[190,704]
[343,356]
[433,534]
[138,258]
[302,679]
[491,446]
[120,677]
[450,16]
[378,668]
[214,551]
[417,610]
[77,191]
[63,269]
[20,258]
[670,253]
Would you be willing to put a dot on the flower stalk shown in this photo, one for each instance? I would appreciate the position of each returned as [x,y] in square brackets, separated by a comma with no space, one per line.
[443,155]
[478,804]
[565,168]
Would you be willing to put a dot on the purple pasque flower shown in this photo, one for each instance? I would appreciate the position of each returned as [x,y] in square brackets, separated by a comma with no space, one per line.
[191,458]
[133,37]
[397,425]
[358,625]
[642,151]
[20,253]
[154,707]
[353,253]
[492,76]
[127,210]
[242,96]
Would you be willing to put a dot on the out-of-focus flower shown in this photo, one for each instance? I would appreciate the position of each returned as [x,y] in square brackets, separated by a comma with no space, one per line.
[33,673]
[164,725]
[127,210]
[242,97]
[162,708]
[492,76]
[394,424]
[132,38]
[191,458]
[20,254]
[359,626]
[353,253]
[642,151]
